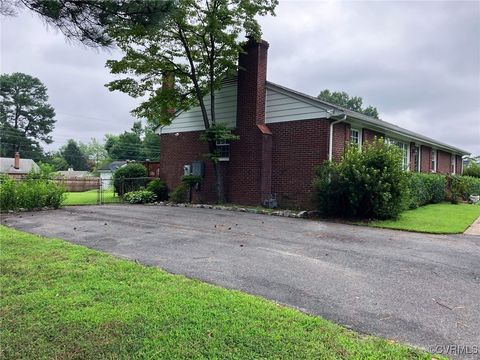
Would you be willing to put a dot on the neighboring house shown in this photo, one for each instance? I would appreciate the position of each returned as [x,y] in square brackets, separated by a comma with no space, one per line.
[16,167]
[284,135]
[106,172]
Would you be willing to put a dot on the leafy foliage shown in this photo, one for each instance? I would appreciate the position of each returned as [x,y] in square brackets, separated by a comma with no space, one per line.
[140,197]
[159,188]
[26,118]
[129,171]
[461,187]
[366,184]
[74,156]
[30,194]
[217,132]
[354,103]
[179,194]
[473,169]
[88,21]
[425,189]
[177,65]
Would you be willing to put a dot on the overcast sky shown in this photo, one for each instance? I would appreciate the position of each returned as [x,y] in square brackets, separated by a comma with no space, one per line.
[417,62]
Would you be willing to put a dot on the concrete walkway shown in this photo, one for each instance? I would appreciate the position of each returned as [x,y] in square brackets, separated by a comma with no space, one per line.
[474,229]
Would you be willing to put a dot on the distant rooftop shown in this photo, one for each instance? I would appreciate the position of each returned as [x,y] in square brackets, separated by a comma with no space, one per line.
[26,165]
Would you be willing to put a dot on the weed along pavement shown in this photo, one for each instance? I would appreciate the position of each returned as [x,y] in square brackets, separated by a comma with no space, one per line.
[414,288]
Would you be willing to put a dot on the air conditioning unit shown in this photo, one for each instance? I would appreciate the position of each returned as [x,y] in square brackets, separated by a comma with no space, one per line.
[187,169]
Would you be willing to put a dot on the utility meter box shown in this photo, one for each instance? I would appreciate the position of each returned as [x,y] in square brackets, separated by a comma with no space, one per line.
[198,168]
[187,169]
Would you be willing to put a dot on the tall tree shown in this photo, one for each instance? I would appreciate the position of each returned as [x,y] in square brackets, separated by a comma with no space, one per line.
[354,103]
[26,118]
[88,21]
[74,156]
[93,151]
[198,46]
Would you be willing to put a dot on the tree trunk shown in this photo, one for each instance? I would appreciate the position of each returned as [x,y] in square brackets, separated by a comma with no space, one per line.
[220,184]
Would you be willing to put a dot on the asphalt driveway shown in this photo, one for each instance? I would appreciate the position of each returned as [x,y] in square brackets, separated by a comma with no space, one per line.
[413,288]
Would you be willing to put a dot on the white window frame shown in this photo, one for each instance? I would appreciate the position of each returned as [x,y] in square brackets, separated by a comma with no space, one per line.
[433,160]
[225,144]
[405,147]
[419,158]
[359,137]
[453,164]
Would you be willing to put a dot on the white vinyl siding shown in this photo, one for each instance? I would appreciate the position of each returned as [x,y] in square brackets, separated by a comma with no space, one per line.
[225,111]
[281,107]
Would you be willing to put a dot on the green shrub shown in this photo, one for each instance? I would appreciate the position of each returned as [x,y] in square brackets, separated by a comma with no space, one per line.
[368,184]
[425,189]
[30,194]
[473,170]
[7,193]
[140,197]
[179,195]
[159,188]
[461,187]
[124,178]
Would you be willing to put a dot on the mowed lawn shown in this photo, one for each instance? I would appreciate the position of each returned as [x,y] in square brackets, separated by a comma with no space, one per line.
[89,197]
[444,218]
[61,300]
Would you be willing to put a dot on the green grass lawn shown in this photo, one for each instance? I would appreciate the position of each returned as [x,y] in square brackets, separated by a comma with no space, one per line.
[61,301]
[444,218]
[89,197]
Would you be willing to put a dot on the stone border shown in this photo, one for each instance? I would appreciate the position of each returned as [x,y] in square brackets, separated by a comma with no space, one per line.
[284,213]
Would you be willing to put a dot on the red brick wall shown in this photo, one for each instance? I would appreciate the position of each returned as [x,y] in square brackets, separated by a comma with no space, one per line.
[444,161]
[298,147]
[369,135]
[177,151]
[425,155]
[341,138]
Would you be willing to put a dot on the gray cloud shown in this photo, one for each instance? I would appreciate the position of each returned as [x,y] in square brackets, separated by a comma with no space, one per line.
[417,62]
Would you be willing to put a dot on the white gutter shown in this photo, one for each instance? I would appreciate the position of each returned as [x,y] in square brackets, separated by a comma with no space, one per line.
[330,143]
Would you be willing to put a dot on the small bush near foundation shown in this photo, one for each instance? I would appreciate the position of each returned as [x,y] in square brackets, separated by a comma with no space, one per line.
[370,183]
[179,195]
[140,197]
[159,188]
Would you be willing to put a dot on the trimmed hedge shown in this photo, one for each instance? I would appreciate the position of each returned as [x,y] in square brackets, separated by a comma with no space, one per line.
[30,194]
[425,189]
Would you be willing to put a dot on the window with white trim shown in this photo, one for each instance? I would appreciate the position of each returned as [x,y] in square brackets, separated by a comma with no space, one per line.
[223,150]
[454,165]
[355,137]
[404,147]
[433,161]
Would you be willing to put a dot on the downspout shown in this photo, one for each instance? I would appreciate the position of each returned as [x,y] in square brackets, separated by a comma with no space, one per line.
[330,143]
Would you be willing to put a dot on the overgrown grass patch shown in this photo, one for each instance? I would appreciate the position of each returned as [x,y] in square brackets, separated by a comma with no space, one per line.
[60,300]
[89,197]
[443,218]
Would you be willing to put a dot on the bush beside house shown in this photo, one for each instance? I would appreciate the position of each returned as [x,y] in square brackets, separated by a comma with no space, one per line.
[368,183]
[129,172]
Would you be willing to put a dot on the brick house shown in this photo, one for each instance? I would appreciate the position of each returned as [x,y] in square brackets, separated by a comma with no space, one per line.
[284,135]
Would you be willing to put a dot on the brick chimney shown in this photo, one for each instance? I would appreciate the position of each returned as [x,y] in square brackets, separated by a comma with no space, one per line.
[250,168]
[16,163]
